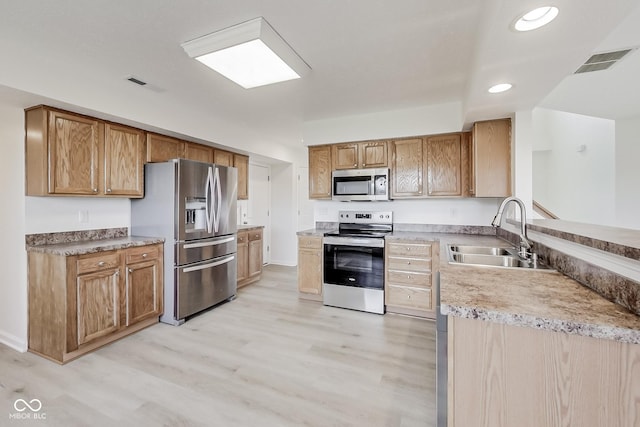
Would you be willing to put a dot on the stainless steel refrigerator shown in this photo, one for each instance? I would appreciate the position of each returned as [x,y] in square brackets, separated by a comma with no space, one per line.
[193,206]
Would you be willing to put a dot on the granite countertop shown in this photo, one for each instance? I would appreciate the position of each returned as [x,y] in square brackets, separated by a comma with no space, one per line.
[93,246]
[319,232]
[243,227]
[545,300]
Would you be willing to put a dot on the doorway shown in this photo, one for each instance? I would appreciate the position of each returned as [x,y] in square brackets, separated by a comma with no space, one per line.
[260,204]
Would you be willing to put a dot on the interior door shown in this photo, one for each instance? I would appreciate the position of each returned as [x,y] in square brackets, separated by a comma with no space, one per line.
[260,204]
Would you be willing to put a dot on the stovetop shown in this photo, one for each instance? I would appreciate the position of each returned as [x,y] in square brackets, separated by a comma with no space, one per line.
[363,224]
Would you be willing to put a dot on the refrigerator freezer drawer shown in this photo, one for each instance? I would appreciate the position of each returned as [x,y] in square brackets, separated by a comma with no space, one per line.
[198,250]
[205,284]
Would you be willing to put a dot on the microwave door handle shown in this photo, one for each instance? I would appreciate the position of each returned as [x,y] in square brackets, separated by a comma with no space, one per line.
[209,264]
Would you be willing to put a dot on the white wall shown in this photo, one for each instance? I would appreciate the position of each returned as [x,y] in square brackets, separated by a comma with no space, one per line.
[627,179]
[575,185]
[13,257]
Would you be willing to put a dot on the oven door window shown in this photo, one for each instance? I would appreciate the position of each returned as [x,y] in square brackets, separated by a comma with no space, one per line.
[355,266]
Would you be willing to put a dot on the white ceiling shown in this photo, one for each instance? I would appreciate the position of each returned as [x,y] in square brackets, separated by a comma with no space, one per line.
[366,56]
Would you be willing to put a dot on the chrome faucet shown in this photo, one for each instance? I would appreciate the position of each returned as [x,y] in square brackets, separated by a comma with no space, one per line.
[525,249]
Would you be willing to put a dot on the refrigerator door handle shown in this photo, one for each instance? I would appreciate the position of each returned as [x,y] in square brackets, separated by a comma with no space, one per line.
[208,191]
[205,244]
[218,200]
[209,265]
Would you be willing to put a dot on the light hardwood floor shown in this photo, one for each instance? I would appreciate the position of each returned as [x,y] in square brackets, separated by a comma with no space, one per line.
[265,359]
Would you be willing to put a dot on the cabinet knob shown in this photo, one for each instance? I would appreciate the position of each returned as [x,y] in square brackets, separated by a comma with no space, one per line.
[408,262]
[355,165]
[408,276]
[108,190]
[144,255]
[364,164]
[408,296]
[95,190]
[101,263]
[130,270]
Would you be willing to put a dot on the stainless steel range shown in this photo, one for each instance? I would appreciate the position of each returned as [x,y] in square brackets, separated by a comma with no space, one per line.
[354,261]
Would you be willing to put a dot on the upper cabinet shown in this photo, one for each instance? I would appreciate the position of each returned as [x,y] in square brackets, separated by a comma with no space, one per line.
[446,165]
[406,168]
[320,172]
[222,158]
[198,152]
[241,163]
[491,164]
[161,148]
[359,155]
[66,154]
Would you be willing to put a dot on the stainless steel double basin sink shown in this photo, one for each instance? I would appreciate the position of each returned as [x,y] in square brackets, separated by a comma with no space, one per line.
[492,256]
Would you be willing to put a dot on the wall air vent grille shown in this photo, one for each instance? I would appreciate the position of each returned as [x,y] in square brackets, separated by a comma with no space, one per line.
[602,61]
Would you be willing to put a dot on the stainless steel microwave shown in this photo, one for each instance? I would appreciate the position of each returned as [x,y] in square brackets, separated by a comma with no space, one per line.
[360,184]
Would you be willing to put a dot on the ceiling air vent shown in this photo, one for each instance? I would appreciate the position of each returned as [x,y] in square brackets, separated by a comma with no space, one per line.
[602,61]
[136,81]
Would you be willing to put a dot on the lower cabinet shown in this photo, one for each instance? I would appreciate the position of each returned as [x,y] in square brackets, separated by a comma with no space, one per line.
[78,303]
[310,267]
[409,268]
[250,256]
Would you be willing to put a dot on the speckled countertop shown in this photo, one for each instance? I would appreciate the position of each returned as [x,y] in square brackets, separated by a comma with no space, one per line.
[243,227]
[92,246]
[545,300]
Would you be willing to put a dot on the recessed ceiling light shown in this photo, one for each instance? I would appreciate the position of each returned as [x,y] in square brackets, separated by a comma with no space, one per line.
[502,87]
[250,54]
[535,18]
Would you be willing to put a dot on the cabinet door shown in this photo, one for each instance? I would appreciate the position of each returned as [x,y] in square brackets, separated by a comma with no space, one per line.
[74,154]
[344,156]
[373,154]
[255,257]
[243,256]
[320,172]
[241,163]
[310,272]
[444,165]
[162,148]
[491,168]
[143,291]
[98,303]
[123,161]
[198,152]
[406,168]
[222,158]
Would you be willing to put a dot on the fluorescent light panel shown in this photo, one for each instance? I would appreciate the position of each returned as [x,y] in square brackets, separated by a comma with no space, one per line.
[250,54]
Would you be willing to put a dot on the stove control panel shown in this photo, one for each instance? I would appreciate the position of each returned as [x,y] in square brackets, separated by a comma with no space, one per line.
[365,217]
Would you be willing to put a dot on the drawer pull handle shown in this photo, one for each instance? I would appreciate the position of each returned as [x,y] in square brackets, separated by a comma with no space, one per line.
[101,263]
[408,276]
[144,255]
[408,262]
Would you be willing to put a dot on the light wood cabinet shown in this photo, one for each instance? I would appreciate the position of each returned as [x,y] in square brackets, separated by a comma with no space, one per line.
[161,148]
[310,267]
[409,268]
[491,163]
[357,155]
[74,155]
[446,165]
[124,149]
[250,256]
[198,152]
[222,157]
[502,375]
[78,303]
[320,172]
[406,158]
[241,163]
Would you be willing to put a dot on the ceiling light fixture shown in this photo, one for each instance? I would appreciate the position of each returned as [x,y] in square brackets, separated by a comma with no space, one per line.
[535,18]
[502,87]
[250,54]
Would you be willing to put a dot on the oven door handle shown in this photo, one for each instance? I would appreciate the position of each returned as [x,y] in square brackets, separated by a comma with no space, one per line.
[209,265]
[354,241]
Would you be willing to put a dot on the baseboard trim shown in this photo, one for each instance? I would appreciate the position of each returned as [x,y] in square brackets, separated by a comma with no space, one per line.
[13,342]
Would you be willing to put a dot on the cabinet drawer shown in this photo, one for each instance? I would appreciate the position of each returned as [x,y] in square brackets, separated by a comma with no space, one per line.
[86,264]
[141,253]
[255,235]
[309,242]
[243,237]
[409,264]
[418,298]
[409,249]
[410,278]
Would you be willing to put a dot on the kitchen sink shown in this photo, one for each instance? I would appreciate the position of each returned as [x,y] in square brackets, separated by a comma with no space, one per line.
[490,256]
